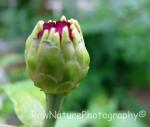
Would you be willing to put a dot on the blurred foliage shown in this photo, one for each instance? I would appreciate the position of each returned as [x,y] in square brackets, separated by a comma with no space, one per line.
[6,107]
[14,67]
[117,37]
[24,100]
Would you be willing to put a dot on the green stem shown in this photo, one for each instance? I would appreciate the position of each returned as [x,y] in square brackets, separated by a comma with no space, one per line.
[53,104]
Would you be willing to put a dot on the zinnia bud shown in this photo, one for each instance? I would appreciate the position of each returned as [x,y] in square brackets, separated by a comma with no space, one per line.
[56,56]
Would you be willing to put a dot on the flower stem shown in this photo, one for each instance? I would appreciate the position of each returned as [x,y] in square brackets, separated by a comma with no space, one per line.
[53,104]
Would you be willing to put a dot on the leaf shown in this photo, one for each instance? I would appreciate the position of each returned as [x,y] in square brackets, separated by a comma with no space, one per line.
[28,101]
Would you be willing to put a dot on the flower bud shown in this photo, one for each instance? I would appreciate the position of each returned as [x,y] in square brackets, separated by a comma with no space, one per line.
[56,56]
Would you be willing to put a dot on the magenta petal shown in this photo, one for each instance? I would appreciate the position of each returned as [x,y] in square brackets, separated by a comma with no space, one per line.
[59,25]
[48,25]
[40,33]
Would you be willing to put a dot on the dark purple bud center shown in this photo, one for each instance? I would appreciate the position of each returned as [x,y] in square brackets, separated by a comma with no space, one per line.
[59,25]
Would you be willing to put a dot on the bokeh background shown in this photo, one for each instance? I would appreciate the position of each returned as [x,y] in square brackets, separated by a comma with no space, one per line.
[117,36]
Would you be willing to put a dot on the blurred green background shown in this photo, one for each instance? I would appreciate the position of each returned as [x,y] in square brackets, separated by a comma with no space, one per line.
[117,36]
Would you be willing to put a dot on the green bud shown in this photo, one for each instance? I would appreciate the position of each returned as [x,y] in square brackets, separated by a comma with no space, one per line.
[56,56]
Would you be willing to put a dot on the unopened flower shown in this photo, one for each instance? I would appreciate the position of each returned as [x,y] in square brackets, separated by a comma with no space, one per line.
[56,56]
